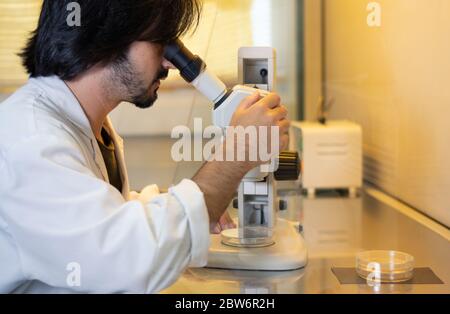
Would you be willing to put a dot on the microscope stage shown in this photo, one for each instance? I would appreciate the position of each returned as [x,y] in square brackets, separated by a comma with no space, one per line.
[287,253]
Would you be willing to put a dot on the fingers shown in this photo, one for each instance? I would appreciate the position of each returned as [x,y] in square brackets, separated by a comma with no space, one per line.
[271,101]
[225,222]
[215,229]
[284,142]
[284,126]
[279,113]
[250,100]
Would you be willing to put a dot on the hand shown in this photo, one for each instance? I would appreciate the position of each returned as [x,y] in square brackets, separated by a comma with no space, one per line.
[225,222]
[268,112]
[219,180]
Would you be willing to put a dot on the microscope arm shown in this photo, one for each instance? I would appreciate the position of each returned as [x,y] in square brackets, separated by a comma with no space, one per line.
[194,71]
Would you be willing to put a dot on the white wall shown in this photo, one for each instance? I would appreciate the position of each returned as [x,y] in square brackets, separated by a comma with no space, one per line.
[394,80]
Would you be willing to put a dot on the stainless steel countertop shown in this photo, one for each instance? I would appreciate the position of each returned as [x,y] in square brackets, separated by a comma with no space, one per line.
[335,227]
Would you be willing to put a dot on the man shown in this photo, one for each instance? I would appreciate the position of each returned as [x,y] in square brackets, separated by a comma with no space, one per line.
[68,222]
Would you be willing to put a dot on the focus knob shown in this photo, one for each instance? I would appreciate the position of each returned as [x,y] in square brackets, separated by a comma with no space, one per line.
[288,166]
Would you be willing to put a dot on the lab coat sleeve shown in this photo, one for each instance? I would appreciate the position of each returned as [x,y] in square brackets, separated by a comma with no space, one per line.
[147,193]
[75,231]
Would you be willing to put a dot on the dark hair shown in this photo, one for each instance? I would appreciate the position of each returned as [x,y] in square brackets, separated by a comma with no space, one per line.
[107,29]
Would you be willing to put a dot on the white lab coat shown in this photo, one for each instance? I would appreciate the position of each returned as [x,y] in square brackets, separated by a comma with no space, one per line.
[63,227]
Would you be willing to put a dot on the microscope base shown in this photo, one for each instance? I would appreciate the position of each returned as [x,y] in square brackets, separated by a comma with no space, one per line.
[288,253]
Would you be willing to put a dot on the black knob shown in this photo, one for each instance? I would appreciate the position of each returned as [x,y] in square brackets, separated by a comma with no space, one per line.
[288,166]
[283,205]
[263,73]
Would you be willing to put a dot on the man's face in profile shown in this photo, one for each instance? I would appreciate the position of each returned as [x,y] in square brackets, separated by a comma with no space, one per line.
[138,75]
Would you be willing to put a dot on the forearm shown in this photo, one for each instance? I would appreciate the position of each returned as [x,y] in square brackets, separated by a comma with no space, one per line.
[219,181]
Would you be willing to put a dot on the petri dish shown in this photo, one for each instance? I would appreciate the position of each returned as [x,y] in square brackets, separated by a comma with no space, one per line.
[231,237]
[393,266]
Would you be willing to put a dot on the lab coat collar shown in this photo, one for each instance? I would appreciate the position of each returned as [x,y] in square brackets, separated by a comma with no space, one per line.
[64,101]
[68,106]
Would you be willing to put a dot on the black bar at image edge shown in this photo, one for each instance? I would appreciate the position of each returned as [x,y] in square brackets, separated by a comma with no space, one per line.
[192,303]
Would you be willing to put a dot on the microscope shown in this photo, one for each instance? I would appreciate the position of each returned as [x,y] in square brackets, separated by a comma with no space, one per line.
[262,241]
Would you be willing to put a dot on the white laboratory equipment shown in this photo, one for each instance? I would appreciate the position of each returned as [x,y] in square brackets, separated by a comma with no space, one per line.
[262,241]
[331,155]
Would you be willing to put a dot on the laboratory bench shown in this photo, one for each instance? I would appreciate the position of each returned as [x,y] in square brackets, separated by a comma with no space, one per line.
[335,227]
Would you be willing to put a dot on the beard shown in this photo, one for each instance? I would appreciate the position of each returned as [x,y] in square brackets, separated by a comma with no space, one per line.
[134,88]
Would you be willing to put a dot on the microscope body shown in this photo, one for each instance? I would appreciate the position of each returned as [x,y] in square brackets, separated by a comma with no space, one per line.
[257,195]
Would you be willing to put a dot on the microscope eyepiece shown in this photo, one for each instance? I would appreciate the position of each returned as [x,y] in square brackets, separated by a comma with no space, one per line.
[193,70]
[189,65]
